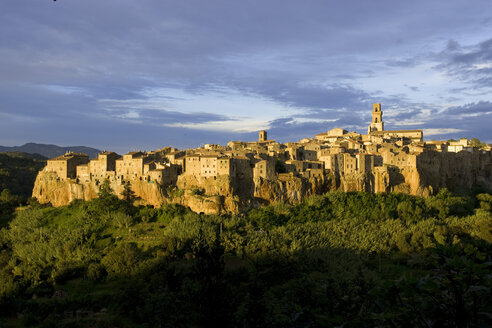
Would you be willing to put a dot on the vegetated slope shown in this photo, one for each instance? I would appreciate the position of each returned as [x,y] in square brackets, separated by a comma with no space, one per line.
[50,151]
[18,172]
[339,259]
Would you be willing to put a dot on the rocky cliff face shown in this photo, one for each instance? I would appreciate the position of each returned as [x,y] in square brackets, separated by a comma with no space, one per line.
[455,170]
[218,195]
[49,188]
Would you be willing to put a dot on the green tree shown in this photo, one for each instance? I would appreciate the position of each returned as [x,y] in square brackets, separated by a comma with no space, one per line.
[212,298]
[107,201]
[485,201]
[128,194]
[8,203]
[122,220]
[7,197]
[475,142]
[445,204]
[105,190]
[454,292]
[122,260]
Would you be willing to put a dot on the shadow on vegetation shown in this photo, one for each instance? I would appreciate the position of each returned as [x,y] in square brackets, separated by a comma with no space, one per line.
[336,260]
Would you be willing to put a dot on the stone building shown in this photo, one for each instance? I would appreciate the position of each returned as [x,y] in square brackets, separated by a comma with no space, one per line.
[380,161]
[244,168]
[436,145]
[105,161]
[301,166]
[349,164]
[399,159]
[83,173]
[165,176]
[192,166]
[457,146]
[376,132]
[407,136]
[365,163]
[265,169]
[65,166]
[226,166]
[208,166]
[174,155]
[236,145]
[131,165]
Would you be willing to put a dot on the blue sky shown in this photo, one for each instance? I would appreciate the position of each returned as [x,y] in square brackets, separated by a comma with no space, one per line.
[126,75]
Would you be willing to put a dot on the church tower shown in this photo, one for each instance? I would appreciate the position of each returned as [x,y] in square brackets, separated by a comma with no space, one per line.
[262,136]
[377,119]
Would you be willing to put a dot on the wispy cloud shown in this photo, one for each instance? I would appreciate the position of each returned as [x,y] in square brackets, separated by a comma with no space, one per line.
[433,132]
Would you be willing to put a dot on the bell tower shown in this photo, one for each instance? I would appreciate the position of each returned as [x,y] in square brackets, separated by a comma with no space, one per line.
[262,136]
[377,119]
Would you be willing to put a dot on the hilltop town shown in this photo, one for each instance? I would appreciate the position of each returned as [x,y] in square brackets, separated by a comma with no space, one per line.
[243,175]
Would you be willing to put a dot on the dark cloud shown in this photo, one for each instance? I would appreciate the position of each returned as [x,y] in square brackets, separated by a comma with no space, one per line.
[292,129]
[469,127]
[78,70]
[314,97]
[470,120]
[468,63]
[452,45]
[482,107]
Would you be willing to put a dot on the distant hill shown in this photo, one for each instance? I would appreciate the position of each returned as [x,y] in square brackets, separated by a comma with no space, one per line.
[50,151]
[18,171]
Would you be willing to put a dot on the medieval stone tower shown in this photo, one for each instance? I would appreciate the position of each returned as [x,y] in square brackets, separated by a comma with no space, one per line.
[377,119]
[262,136]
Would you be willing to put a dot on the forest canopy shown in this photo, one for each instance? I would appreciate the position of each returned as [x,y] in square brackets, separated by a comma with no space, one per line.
[338,259]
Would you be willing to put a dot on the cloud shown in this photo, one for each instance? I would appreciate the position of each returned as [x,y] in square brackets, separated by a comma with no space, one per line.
[468,63]
[161,117]
[167,71]
[314,97]
[433,132]
[413,88]
[480,108]
[225,126]
[404,62]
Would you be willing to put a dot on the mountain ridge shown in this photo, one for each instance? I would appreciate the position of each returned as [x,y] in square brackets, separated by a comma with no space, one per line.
[50,150]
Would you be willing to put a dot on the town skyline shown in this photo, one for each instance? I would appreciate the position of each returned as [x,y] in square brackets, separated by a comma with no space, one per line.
[125,76]
[215,179]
